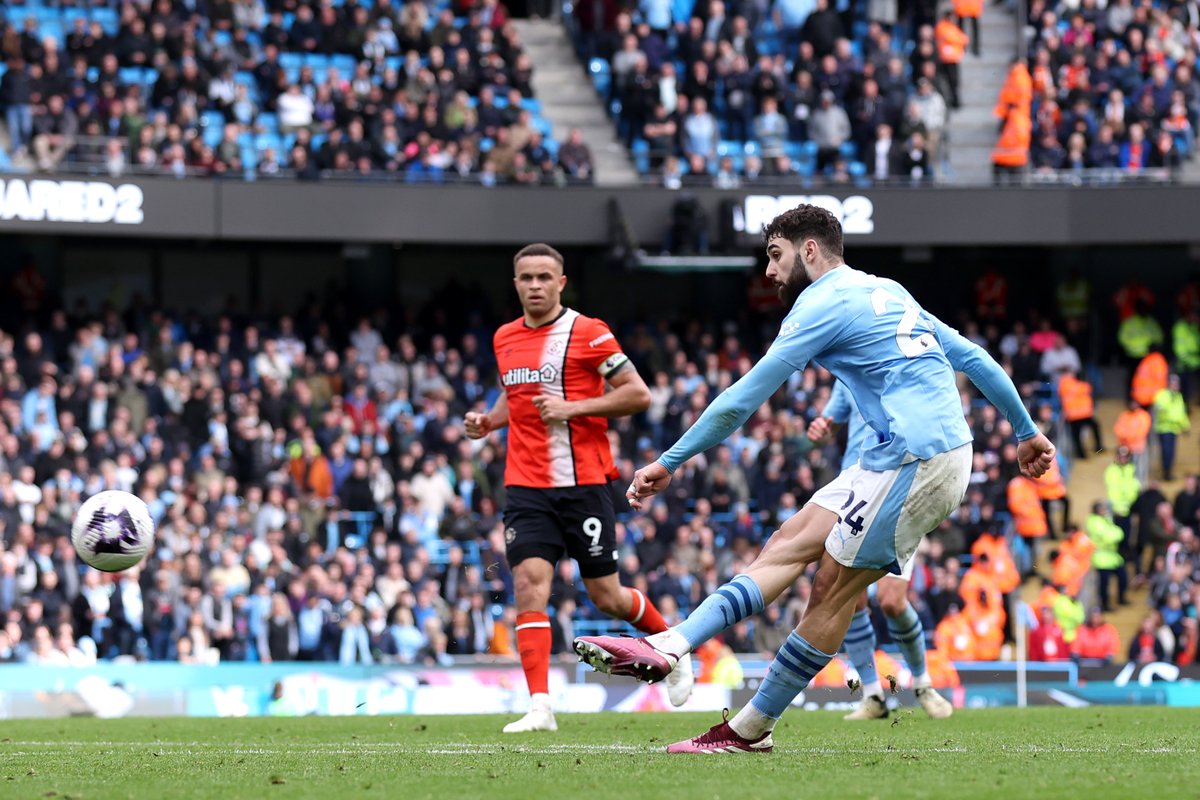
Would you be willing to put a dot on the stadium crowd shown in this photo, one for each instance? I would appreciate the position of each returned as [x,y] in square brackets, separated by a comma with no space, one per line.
[1109,90]
[316,497]
[378,90]
[730,93]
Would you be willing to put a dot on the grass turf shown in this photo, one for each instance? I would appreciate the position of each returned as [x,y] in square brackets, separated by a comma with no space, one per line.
[1090,753]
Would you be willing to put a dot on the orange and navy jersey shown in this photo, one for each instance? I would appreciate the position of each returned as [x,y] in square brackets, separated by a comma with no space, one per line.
[569,358]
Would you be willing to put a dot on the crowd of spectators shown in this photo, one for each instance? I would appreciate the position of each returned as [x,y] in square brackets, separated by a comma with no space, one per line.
[1113,86]
[316,496]
[717,93]
[405,91]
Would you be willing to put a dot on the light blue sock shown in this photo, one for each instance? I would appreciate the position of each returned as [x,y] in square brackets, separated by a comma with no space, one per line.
[909,635]
[796,663]
[860,646]
[728,605]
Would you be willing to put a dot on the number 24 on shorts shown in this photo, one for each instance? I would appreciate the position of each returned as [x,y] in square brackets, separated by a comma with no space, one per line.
[853,519]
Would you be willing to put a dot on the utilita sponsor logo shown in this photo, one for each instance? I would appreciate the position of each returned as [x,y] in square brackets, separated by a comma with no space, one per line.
[520,375]
[71,201]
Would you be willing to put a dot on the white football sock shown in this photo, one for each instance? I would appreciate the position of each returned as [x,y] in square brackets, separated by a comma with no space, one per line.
[922,681]
[750,723]
[872,689]
[670,641]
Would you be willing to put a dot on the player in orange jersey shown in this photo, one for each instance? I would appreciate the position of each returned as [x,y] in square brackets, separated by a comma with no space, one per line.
[554,363]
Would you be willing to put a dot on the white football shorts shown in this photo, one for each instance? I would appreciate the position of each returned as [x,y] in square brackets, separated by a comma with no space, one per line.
[883,515]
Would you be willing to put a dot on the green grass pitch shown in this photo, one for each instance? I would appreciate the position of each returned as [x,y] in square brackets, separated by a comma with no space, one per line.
[1088,753]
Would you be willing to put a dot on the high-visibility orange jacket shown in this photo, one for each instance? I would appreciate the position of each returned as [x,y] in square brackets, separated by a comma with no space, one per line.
[989,634]
[941,670]
[1073,563]
[1076,397]
[1051,485]
[1132,427]
[1017,91]
[1026,507]
[954,638]
[999,563]
[981,595]
[1099,642]
[951,42]
[834,674]
[1012,150]
[1150,378]
[968,8]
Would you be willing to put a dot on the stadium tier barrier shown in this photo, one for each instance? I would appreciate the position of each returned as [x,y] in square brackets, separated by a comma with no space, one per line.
[481,687]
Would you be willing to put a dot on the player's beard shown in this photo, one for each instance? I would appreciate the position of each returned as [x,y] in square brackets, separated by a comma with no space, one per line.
[796,283]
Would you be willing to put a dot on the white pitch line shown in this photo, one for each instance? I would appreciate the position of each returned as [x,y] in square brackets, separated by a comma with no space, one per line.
[462,749]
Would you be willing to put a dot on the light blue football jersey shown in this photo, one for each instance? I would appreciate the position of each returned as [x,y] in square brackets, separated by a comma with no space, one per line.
[874,337]
[842,409]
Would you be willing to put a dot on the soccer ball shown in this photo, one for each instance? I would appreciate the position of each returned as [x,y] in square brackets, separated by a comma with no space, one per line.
[112,531]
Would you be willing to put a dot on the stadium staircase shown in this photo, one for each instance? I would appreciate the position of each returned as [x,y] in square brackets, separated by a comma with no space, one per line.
[1086,486]
[972,129]
[567,101]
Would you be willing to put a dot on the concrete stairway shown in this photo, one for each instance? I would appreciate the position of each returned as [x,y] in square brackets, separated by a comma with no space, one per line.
[972,128]
[568,100]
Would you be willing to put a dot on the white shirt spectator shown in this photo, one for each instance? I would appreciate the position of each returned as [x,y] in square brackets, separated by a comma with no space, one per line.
[295,109]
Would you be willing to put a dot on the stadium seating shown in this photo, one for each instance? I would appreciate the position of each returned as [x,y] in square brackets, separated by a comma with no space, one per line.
[261,123]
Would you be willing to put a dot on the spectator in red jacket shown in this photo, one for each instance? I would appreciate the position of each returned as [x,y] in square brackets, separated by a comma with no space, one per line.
[1046,641]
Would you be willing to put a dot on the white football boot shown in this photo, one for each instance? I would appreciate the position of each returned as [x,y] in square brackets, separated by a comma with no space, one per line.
[936,706]
[871,707]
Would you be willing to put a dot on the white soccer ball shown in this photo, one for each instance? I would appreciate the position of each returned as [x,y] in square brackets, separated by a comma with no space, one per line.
[113,531]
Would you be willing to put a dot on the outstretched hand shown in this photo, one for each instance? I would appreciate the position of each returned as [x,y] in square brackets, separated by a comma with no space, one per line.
[1035,456]
[647,482]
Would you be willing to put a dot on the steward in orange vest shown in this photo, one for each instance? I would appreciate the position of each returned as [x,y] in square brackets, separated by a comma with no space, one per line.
[951,46]
[1133,428]
[1149,378]
[1079,409]
[1029,517]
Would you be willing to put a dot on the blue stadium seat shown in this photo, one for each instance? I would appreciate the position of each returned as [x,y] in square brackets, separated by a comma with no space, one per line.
[268,121]
[130,76]
[108,19]
[52,29]
[291,60]
[641,154]
[532,104]
[345,64]
[213,119]
[265,140]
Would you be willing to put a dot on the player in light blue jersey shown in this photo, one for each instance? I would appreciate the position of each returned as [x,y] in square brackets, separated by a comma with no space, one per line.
[891,591]
[899,362]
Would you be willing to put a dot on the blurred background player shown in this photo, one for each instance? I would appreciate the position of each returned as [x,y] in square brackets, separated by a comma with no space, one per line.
[891,592]
[553,363]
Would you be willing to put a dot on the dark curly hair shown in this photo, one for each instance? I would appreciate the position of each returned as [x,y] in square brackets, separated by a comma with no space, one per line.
[807,222]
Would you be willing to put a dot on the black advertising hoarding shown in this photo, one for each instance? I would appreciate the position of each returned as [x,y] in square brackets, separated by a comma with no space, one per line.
[135,207]
[285,210]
